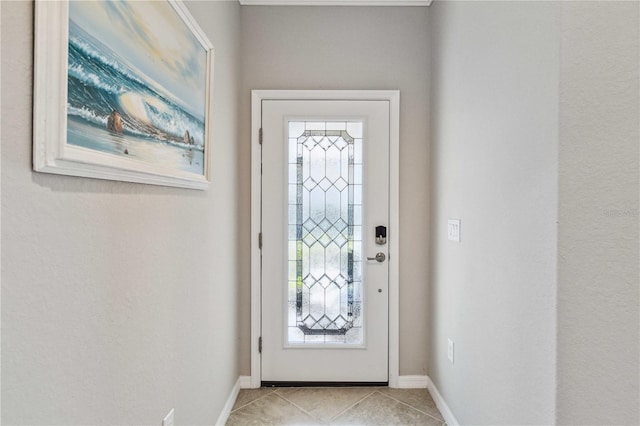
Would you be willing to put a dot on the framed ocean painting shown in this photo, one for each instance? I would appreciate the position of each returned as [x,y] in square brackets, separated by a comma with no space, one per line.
[122,91]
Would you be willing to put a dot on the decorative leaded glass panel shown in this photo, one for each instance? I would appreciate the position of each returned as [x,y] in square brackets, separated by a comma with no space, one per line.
[325,228]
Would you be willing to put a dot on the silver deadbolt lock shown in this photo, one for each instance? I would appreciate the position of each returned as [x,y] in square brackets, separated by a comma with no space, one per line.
[381,235]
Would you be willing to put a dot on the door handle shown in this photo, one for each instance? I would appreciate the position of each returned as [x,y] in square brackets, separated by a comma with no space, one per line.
[380,257]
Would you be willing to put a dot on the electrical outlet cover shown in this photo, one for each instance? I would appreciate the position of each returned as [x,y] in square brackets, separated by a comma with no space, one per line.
[453,230]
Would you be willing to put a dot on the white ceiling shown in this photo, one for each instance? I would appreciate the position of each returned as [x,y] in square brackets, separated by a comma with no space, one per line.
[335,2]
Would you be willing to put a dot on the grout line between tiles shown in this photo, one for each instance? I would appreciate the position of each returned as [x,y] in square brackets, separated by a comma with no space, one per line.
[411,406]
[252,401]
[352,405]
[296,405]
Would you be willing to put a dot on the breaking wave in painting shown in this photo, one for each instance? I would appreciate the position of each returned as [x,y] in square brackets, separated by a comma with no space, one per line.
[156,128]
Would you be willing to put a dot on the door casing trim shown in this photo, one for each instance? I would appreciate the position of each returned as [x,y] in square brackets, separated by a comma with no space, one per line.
[393,97]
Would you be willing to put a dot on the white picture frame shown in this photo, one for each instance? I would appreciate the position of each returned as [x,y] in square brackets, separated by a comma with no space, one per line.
[52,152]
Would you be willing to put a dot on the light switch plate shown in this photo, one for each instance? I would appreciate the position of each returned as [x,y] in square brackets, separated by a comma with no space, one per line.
[168,421]
[453,230]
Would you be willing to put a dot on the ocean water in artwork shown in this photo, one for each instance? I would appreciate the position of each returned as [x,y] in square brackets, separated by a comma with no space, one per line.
[132,93]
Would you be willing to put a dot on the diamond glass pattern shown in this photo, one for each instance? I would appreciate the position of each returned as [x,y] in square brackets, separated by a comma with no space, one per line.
[325,208]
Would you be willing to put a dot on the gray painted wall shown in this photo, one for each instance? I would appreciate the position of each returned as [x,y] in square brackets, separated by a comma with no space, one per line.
[494,166]
[352,48]
[118,299]
[536,120]
[598,278]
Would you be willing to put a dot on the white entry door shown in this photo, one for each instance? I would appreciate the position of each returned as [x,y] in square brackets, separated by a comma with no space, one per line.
[325,218]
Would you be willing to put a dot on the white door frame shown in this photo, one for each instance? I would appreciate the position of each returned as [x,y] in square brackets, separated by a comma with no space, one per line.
[393,96]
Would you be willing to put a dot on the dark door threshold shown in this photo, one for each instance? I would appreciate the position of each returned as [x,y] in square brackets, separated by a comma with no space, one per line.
[320,384]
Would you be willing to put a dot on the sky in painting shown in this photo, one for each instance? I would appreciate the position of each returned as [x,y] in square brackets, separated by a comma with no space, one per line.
[152,38]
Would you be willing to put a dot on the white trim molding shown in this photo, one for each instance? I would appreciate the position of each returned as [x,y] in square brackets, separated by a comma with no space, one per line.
[441,404]
[226,410]
[256,229]
[412,382]
[335,2]
[245,382]
[393,96]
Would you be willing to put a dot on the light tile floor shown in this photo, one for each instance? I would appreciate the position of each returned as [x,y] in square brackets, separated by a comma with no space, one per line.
[335,406]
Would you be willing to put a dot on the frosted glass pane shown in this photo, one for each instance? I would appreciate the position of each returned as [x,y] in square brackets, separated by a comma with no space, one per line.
[316,302]
[357,151]
[293,199]
[316,262]
[296,129]
[305,204]
[333,164]
[291,291]
[332,295]
[314,339]
[292,218]
[357,232]
[332,266]
[304,260]
[305,164]
[344,205]
[332,206]
[292,250]
[316,204]
[357,194]
[325,192]
[318,164]
[293,147]
[293,173]
[354,336]
[315,125]
[344,164]
[355,129]
[340,125]
[292,274]
[295,335]
[357,174]
[357,215]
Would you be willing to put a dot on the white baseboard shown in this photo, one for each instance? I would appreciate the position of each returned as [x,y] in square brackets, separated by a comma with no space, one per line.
[245,382]
[412,382]
[226,410]
[441,404]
